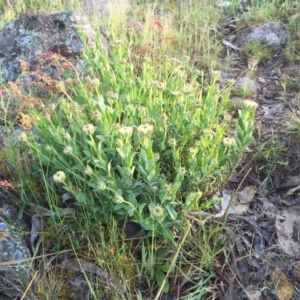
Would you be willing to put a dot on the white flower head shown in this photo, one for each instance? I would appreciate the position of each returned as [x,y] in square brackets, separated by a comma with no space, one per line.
[141,109]
[145,129]
[59,177]
[158,84]
[175,93]
[228,141]
[118,199]
[22,137]
[52,106]
[126,131]
[197,142]
[165,187]
[67,136]
[88,170]
[172,142]
[115,125]
[113,95]
[101,185]
[156,210]
[95,114]
[95,82]
[216,74]
[88,129]
[164,118]
[187,88]
[197,103]
[68,150]
[250,104]
[227,117]
[193,151]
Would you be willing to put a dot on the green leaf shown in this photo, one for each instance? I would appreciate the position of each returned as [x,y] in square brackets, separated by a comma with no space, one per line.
[81,197]
[125,150]
[131,211]
[167,233]
[171,212]
[164,268]
[67,74]
[132,200]
[192,199]
[160,276]
[144,158]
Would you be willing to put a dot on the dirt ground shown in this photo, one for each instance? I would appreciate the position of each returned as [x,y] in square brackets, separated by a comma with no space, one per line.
[264,263]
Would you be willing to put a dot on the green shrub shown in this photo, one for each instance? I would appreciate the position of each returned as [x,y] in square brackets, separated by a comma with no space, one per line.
[149,147]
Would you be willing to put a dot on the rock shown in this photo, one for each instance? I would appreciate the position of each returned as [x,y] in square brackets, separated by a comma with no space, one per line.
[245,87]
[224,79]
[105,7]
[261,79]
[34,34]
[14,277]
[271,34]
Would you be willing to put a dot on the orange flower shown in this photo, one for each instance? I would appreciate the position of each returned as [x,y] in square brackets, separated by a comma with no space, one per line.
[157,23]
[25,121]
[7,184]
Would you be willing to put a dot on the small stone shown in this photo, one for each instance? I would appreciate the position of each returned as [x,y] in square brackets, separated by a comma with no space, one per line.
[261,79]
[270,34]
[231,38]
[2,226]
[245,87]
[297,271]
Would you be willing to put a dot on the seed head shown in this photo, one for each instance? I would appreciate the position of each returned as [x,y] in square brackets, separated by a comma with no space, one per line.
[175,93]
[228,141]
[118,199]
[145,129]
[187,88]
[158,84]
[95,114]
[165,187]
[88,170]
[68,150]
[197,103]
[67,136]
[156,210]
[101,185]
[88,129]
[22,137]
[250,104]
[113,95]
[59,177]
[126,131]
[95,82]
[172,142]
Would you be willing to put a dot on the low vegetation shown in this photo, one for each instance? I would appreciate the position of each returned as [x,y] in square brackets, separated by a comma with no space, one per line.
[146,136]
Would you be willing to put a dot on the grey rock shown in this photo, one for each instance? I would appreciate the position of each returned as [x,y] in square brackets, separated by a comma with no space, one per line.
[14,276]
[245,87]
[34,34]
[104,7]
[271,34]
[261,79]
[224,77]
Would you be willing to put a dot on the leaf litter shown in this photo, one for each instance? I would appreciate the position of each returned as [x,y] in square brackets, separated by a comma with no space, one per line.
[265,230]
